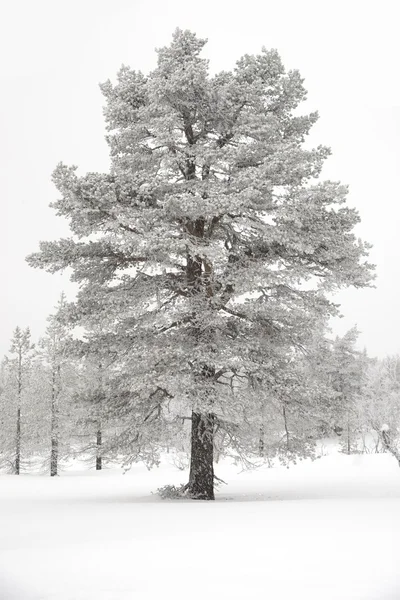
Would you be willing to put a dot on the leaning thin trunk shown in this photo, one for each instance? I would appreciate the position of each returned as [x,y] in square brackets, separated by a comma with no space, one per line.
[201,478]
[98,450]
[286,427]
[389,445]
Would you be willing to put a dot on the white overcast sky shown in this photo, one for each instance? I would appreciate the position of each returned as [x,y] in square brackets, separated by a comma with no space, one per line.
[53,54]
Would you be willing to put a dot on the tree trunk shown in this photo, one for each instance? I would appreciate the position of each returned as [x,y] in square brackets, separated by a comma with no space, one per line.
[348,437]
[201,478]
[54,428]
[54,442]
[54,457]
[17,465]
[99,438]
[98,450]
[261,444]
[286,428]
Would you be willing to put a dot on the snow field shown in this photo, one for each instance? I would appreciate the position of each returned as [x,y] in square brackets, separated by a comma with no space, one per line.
[322,530]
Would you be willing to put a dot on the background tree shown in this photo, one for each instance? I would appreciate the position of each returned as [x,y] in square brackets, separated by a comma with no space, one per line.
[7,420]
[207,250]
[89,405]
[348,374]
[58,380]
[380,405]
[18,368]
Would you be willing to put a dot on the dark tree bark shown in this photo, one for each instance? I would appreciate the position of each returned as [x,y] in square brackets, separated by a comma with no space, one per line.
[261,443]
[98,450]
[201,478]
[54,457]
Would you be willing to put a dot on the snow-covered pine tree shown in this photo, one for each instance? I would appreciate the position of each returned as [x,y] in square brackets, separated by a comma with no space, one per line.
[18,367]
[7,420]
[98,400]
[318,363]
[58,380]
[89,402]
[289,397]
[207,247]
[293,403]
[348,373]
[380,404]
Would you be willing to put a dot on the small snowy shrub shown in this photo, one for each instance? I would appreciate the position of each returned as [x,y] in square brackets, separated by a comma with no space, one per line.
[172,492]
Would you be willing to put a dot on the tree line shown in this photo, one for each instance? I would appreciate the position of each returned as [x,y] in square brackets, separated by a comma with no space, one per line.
[61,399]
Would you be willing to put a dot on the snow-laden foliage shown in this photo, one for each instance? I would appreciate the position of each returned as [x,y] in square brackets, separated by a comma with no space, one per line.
[57,372]
[207,251]
[16,374]
[381,404]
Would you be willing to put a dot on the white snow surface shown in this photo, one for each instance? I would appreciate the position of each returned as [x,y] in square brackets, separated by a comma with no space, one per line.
[322,530]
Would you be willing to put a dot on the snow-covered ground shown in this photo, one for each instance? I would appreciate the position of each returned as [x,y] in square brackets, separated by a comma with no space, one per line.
[323,530]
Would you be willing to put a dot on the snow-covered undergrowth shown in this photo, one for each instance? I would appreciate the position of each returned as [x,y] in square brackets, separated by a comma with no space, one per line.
[322,530]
